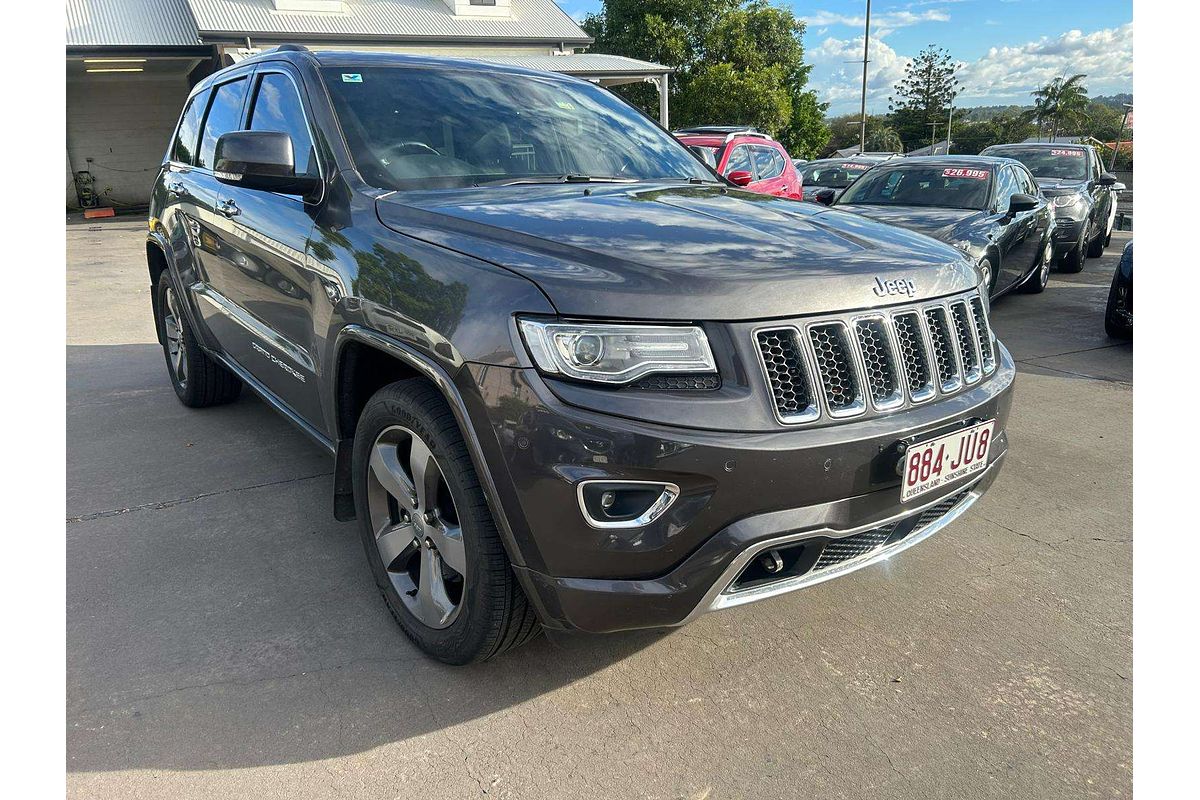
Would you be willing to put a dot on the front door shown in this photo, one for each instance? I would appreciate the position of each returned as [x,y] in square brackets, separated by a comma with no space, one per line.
[1018,240]
[259,297]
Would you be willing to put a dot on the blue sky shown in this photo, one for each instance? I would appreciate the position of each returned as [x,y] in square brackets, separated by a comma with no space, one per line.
[1006,47]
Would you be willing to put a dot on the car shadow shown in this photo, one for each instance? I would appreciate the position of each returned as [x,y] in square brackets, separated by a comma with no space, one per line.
[217,615]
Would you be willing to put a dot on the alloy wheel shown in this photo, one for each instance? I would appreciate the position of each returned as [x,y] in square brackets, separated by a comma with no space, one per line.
[173,329]
[416,526]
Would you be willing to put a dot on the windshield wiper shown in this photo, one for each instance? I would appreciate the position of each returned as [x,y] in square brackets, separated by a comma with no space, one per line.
[569,177]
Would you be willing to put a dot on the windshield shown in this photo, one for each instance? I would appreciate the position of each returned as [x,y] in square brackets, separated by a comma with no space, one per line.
[1065,163]
[833,174]
[943,187]
[413,127]
[708,153]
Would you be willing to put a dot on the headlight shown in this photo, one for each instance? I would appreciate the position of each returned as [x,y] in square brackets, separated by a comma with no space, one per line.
[1067,200]
[616,353]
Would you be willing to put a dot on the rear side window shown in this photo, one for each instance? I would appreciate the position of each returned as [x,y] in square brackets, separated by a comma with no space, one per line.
[224,115]
[277,107]
[184,148]
[769,162]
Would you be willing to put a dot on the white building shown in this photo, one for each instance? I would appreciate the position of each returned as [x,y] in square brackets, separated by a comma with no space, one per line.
[131,63]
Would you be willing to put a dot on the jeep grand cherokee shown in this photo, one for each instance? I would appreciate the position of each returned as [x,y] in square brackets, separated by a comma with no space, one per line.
[570,377]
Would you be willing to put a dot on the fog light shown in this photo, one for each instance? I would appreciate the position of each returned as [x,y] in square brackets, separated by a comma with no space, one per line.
[625,504]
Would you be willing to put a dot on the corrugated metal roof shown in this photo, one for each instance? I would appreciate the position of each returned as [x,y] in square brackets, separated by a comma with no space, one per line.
[370,19]
[145,23]
[580,64]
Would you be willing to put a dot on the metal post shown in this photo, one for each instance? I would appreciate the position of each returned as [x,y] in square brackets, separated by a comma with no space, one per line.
[862,135]
[1113,164]
[662,101]
[949,128]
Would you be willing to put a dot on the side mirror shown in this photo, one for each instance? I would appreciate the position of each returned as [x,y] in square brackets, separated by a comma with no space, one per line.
[1020,202]
[1107,180]
[824,196]
[1119,187]
[740,177]
[260,160]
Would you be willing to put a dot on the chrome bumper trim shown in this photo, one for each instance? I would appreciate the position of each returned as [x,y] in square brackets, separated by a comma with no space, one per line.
[718,598]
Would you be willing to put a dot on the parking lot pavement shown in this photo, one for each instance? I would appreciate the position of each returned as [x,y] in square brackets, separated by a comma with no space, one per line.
[224,638]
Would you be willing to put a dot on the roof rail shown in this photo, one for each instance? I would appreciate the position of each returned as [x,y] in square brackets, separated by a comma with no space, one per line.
[754,134]
[291,47]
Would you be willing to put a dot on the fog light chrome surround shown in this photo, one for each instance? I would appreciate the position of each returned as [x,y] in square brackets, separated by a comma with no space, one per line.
[666,498]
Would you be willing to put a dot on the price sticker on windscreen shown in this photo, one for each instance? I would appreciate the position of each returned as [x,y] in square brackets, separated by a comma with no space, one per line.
[963,172]
[1071,153]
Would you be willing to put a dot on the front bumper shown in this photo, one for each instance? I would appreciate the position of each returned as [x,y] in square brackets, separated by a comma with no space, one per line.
[740,494]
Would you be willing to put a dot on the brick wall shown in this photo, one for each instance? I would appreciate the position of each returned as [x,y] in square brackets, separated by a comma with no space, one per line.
[122,123]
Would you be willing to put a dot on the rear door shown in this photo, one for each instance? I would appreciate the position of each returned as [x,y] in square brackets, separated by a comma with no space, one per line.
[180,198]
[769,169]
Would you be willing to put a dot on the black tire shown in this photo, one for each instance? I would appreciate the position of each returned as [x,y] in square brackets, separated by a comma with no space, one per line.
[1112,326]
[1096,246]
[1074,259]
[1038,280]
[198,380]
[985,266]
[493,614]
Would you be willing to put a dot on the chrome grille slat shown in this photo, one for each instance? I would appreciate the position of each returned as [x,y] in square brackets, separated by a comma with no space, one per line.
[984,333]
[782,357]
[968,347]
[875,343]
[914,354]
[837,368]
[945,354]
[868,363]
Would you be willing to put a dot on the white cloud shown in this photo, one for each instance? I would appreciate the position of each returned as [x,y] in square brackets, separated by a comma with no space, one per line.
[1105,56]
[882,24]
[838,82]
[1002,75]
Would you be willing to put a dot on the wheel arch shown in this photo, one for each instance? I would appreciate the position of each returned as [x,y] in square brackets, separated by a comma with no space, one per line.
[366,361]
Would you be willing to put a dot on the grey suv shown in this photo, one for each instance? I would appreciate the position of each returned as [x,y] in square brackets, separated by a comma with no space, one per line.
[570,377]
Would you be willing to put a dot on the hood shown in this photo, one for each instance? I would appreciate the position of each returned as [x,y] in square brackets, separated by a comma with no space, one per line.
[943,224]
[1056,187]
[678,252]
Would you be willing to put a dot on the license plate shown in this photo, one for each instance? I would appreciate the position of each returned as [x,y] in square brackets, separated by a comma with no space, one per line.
[943,460]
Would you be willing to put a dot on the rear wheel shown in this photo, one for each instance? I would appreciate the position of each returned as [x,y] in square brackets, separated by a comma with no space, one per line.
[430,539]
[198,380]
[1075,258]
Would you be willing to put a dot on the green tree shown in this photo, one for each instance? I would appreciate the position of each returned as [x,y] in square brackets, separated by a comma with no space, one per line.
[924,95]
[883,138]
[1004,128]
[735,61]
[1060,104]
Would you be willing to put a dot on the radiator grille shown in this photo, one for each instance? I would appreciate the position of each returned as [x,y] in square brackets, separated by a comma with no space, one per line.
[880,361]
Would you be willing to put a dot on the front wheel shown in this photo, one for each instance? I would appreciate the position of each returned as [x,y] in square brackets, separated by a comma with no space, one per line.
[1037,281]
[430,539]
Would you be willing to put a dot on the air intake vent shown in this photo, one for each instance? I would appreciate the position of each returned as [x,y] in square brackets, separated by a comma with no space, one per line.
[783,360]
[879,361]
[943,349]
[835,364]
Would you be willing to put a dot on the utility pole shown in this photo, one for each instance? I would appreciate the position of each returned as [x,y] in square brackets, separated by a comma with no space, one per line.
[949,127]
[933,137]
[862,134]
[1124,117]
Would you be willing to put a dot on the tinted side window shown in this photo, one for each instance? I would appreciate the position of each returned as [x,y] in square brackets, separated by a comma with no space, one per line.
[184,148]
[1007,187]
[277,107]
[739,159]
[768,162]
[224,115]
[1028,184]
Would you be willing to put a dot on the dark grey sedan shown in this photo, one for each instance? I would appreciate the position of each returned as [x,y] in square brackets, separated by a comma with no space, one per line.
[990,208]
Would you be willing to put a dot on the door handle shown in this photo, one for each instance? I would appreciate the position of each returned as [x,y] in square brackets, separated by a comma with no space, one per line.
[228,208]
[177,189]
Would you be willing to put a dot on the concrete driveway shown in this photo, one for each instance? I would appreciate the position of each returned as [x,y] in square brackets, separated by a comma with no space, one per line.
[224,638]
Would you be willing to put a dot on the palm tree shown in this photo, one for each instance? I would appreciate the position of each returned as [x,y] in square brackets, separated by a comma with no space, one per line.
[1061,102]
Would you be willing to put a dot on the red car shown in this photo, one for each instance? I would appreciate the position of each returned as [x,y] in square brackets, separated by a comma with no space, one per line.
[746,157]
